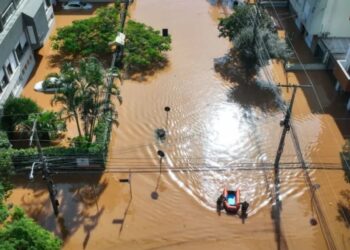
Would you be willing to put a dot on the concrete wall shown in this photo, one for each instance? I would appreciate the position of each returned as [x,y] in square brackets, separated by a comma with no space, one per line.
[10,40]
[323,17]
[41,23]
[17,25]
[4,4]
[337,18]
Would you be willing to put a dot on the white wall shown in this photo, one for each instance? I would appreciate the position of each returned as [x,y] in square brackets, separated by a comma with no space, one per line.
[324,16]
[337,18]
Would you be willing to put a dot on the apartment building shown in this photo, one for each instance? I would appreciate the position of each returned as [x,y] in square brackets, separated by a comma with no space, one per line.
[321,18]
[24,26]
[325,25]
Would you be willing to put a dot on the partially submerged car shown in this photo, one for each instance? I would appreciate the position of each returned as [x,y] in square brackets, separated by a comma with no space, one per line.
[76,5]
[50,85]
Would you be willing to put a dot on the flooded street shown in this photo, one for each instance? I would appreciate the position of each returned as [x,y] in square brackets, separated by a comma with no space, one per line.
[220,133]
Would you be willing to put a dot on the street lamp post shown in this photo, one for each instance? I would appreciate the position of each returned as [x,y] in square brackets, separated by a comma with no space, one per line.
[166,109]
[161,156]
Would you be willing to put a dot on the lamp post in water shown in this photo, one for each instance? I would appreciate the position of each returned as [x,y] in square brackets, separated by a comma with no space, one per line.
[161,156]
[166,109]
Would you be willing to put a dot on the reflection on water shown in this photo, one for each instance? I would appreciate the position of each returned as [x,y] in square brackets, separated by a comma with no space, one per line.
[220,132]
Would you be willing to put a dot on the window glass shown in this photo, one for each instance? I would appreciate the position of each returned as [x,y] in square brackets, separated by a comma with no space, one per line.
[21,46]
[11,64]
[13,61]
[7,14]
[47,3]
[9,69]
[3,80]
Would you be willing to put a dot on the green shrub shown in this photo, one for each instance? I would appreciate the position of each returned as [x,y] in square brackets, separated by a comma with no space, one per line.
[4,141]
[16,111]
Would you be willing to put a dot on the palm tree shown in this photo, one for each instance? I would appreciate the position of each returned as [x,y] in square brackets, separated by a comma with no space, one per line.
[94,82]
[83,94]
[69,96]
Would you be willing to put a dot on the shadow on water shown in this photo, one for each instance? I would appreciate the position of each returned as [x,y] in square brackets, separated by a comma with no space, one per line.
[142,75]
[344,208]
[78,203]
[276,214]
[246,89]
[231,69]
[121,221]
[255,95]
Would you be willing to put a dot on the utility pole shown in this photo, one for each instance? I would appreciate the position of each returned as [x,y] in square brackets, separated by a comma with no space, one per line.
[45,171]
[286,127]
[117,55]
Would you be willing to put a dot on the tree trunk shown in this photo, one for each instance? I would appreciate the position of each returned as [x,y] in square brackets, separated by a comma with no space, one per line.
[77,121]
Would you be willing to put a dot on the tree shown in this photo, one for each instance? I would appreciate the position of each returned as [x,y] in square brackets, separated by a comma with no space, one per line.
[17,231]
[49,125]
[4,141]
[144,47]
[88,36]
[16,111]
[253,35]
[70,95]
[83,94]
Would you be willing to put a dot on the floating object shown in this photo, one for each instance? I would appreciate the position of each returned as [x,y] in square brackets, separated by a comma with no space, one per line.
[161,133]
[231,200]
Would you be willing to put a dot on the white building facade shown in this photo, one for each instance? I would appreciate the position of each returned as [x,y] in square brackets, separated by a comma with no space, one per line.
[24,26]
[322,18]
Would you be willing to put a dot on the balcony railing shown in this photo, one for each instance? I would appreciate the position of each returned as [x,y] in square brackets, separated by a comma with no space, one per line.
[342,75]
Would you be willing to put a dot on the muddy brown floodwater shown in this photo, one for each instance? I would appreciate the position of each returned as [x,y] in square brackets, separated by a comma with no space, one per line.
[219,133]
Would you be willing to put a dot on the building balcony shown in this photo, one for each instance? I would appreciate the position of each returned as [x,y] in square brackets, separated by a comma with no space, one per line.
[342,75]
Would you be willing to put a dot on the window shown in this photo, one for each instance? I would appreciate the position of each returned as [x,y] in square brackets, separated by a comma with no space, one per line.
[3,80]
[11,64]
[47,3]
[7,14]
[17,2]
[21,46]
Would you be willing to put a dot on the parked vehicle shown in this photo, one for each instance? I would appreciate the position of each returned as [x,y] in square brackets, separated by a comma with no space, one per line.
[50,85]
[76,5]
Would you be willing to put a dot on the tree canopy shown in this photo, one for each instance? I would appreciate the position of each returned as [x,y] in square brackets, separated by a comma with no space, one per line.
[16,111]
[88,36]
[82,94]
[253,35]
[144,46]
[17,231]
[20,114]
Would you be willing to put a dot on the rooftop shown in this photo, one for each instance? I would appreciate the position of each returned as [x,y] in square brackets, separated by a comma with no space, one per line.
[338,46]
